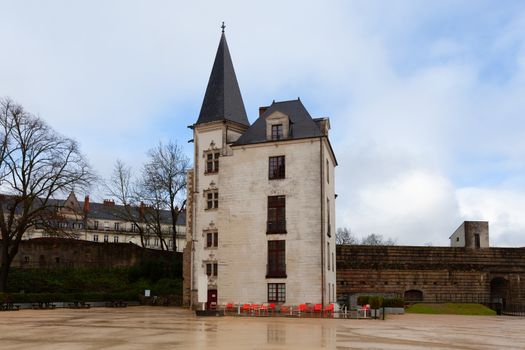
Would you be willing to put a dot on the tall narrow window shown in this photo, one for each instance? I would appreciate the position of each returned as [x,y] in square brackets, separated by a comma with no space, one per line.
[276,214]
[212,162]
[328,254]
[212,199]
[327,171]
[329,226]
[477,241]
[276,168]
[277,132]
[212,239]
[117,226]
[95,225]
[212,269]
[276,267]
[115,239]
[276,292]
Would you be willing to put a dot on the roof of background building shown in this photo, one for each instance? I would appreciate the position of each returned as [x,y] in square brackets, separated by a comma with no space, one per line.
[114,212]
[101,211]
[301,123]
[223,100]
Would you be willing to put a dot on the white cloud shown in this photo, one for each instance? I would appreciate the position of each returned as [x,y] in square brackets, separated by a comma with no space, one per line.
[502,208]
[425,97]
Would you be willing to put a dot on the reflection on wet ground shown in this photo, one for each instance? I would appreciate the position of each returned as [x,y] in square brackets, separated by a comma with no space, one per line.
[169,328]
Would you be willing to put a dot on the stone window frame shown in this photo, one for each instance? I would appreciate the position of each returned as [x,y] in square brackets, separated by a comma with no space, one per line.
[211,161]
[276,292]
[276,215]
[211,239]
[276,167]
[211,199]
[277,126]
[211,268]
[276,267]
[277,132]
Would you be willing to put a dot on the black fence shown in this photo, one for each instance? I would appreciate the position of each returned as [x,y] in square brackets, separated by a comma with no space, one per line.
[514,310]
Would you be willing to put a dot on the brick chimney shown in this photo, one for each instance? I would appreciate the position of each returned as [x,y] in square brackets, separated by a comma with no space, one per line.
[262,110]
[86,204]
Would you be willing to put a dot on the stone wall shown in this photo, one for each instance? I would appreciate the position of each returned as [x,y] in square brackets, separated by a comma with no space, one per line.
[434,274]
[61,253]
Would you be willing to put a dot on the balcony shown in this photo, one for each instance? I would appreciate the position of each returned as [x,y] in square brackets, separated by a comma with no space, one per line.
[276,271]
[273,227]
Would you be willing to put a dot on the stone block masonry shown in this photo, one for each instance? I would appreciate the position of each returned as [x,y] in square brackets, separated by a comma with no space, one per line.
[433,274]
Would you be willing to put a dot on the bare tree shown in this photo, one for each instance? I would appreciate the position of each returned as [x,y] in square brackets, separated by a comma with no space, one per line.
[154,208]
[36,165]
[376,239]
[345,236]
[165,175]
[123,188]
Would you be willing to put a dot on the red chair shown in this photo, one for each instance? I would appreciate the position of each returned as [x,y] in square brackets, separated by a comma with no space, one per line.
[246,308]
[271,307]
[318,309]
[285,310]
[329,310]
[301,309]
[264,309]
[255,308]
[229,307]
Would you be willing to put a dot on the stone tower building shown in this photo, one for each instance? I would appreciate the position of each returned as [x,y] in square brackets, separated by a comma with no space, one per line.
[261,211]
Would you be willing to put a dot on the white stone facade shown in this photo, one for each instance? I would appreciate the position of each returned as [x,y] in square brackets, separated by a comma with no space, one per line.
[240,220]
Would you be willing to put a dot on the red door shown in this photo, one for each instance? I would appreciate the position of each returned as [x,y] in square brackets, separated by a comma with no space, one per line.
[212,299]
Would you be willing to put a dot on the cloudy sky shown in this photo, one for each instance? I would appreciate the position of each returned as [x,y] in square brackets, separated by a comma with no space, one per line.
[426,98]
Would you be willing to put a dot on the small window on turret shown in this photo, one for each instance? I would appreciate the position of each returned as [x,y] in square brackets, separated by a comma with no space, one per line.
[212,162]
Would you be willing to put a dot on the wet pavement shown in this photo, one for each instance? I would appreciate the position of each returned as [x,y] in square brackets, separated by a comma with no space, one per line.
[161,328]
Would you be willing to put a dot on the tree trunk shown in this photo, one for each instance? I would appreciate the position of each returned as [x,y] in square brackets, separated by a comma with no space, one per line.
[4,268]
[174,217]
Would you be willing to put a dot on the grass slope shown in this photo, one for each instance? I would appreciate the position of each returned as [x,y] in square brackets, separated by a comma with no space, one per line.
[451,309]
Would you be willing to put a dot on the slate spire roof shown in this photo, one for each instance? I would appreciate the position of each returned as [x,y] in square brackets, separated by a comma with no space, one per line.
[223,100]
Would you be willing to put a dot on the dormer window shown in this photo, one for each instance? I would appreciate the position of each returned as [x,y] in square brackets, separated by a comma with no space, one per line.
[277,126]
[277,132]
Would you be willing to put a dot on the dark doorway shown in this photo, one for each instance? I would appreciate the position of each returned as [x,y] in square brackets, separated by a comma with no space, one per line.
[212,299]
[499,290]
[413,295]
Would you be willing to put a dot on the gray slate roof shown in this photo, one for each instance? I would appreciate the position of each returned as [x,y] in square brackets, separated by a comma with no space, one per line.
[112,212]
[223,100]
[97,211]
[301,123]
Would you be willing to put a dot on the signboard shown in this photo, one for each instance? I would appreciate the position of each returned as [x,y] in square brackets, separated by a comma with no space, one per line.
[147,292]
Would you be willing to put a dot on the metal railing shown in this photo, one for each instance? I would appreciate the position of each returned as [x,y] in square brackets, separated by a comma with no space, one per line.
[276,226]
[276,271]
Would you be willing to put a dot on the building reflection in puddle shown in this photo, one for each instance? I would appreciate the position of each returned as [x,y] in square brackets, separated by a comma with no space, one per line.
[275,334]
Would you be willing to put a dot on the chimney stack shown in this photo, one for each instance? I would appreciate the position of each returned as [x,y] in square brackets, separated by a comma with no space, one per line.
[86,204]
[262,110]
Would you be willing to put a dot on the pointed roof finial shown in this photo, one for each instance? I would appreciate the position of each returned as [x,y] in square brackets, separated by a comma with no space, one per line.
[223,26]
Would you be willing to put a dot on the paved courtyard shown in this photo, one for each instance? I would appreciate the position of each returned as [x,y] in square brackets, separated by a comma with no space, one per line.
[168,328]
